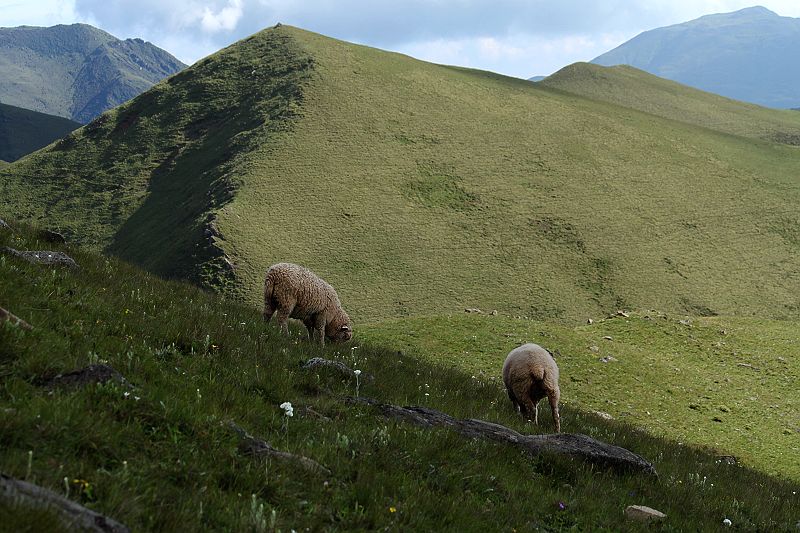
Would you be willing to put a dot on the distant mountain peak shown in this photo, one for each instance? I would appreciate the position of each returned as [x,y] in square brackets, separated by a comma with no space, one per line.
[76,71]
[756,10]
[748,55]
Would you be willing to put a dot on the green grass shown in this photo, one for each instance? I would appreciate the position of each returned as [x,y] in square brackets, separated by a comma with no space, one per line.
[160,458]
[419,189]
[725,383]
[630,87]
[23,131]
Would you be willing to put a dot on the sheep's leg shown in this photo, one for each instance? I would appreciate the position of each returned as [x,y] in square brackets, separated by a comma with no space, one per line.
[552,397]
[319,325]
[536,412]
[521,390]
[514,402]
[283,318]
[310,327]
[269,309]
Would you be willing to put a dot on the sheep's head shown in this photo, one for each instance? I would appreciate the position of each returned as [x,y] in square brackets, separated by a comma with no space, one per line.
[339,331]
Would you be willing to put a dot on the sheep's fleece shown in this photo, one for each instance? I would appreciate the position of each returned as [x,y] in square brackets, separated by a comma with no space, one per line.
[530,373]
[294,291]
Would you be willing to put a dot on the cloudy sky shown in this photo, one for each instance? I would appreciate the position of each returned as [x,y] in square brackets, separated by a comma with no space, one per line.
[515,37]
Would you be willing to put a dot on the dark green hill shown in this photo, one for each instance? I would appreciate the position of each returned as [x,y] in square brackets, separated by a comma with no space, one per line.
[637,89]
[419,189]
[23,131]
[748,55]
[76,71]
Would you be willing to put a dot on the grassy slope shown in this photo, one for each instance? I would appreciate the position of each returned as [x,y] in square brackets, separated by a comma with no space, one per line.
[634,88]
[418,189]
[726,383]
[143,177]
[23,131]
[159,458]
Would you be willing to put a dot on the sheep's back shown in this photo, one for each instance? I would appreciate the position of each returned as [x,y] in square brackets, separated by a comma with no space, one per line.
[530,358]
[312,293]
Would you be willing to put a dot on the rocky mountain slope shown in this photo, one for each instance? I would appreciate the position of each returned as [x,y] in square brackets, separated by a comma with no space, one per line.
[76,71]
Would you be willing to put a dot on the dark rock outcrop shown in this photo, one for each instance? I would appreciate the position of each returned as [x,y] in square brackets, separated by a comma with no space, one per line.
[254,446]
[74,516]
[90,375]
[43,257]
[573,444]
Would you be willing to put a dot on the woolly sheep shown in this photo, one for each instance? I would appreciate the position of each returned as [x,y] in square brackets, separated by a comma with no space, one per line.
[294,291]
[530,373]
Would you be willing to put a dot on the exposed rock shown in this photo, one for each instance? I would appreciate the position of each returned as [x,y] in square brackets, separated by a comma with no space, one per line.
[608,359]
[6,316]
[251,445]
[603,415]
[643,513]
[573,444]
[51,236]
[97,373]
[608,338]
[316,362]
[74,516]
[473,310]
[589,321]
[727,459]
[319,362]
[3,225]
[43,257]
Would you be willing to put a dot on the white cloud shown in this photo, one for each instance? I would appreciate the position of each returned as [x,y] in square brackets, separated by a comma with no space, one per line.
[516,37]
[520,55]
[225,19]
[38,13]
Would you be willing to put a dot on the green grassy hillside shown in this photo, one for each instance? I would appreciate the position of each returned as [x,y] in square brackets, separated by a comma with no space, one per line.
[159,456]
[634,88]
[726,383]
[421,189]
[23,131]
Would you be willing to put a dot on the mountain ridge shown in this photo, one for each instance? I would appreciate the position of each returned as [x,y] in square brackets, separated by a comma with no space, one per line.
[76,71]
[634,88]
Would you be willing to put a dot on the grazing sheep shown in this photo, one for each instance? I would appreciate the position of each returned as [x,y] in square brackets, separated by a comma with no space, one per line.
[296,292]
[530,373]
